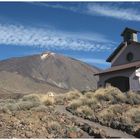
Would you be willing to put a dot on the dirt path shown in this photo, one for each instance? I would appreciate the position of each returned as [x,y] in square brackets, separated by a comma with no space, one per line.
[109,131]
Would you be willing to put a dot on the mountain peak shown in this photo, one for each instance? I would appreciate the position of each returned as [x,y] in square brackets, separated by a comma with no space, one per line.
[46,72]
[45,55]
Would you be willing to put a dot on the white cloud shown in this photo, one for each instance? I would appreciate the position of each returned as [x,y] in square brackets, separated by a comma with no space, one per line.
[114,11]
[52,39]
[58,6]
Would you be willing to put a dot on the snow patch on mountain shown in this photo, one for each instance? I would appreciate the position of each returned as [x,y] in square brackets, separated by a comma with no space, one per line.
[46,55]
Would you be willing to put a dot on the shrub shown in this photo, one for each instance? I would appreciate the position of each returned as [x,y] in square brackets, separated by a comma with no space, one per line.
[23,105]
[119,97]
[4,109]
[26,102]
[133,98]
[71,95]
[8,105]
[105,116]
[134,114]
[72,129]
[31,98]
[102,94]
[89,94]
[126,120]
[60,99]
[86,110]
[45,99]
[49,101]
[93,103]
[111,94]
[73,132]
[75,104]
[116,109]
[7,101]
[136,118]
[40,108]
[110,114]
[12,106]
[53,125]
[84,100]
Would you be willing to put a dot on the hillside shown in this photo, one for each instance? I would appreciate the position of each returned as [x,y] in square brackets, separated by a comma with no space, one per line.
[46,72]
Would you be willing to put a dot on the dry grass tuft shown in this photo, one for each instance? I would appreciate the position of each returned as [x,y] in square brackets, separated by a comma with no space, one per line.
[26,102]
[75,104]
[26,105]
[40,108]
[42,98]
[71,95]
[60,99]
[54,125]
[126,120]
[49,101]
[110,114]
[89,94]
[84,101]
[133,98]
[93,103]
[134,114]
[67,97]
[86,110]
[110,107]
[31,97]
[111,94]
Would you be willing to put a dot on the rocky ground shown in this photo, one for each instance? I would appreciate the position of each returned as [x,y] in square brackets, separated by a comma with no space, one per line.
[50,122]
[71,115]
[39,122]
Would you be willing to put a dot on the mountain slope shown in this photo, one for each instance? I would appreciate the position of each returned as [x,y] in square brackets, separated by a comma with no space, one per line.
[46,72]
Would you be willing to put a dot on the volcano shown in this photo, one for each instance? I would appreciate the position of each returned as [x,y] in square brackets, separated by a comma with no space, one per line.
[45,72]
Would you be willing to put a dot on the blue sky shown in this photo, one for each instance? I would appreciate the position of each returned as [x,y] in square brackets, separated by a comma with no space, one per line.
[88,31]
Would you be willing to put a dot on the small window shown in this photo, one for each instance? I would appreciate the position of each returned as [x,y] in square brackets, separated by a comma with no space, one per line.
[129,57]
